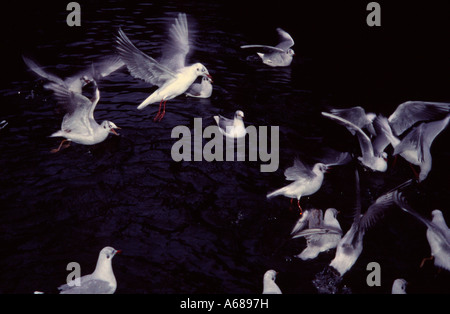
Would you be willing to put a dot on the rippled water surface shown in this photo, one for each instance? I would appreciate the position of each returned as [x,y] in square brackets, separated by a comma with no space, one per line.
[207,227]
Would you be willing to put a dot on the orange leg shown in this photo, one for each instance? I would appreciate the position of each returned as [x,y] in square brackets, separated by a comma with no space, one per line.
[414,171]
[55,150]
[425,259]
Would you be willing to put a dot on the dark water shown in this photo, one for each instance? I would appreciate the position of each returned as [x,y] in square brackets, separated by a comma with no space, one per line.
[207,227]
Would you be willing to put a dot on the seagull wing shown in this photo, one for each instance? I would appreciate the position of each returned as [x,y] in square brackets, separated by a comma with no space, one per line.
[78,107]
[364,140]
[39,71]
[141,65]
[411,112]
[177,45]
[269,48]
[297,171]
[286,40]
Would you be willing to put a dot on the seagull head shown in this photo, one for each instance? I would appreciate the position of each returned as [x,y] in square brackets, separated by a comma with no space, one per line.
[290,52]
[270,275]
[201,70]
[109,252]
[239,114]
[110,126]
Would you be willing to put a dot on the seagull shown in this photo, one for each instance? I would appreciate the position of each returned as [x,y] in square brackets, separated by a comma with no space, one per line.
[438,233]
[279,56]
[399,286]
[269,285]
[368,158]
[75,83]
[101,281]
[171,75]
[201,90]
[322,234]
[358,116]
[415,146]
[307,181]
[351,245]
[78,124]
[232,128]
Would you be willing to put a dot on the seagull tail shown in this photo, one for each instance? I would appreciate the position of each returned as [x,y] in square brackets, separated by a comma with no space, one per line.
[149,100]
[276,192]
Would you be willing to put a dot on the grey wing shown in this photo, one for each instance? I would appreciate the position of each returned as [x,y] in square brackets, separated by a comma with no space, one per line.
[78,107]
[297,171]
[223,122]
[356,115]
[92,286]
[363,138]
[141,65]
[381,141]
[377,210]
[314,231]
[269,48]
[38,70]
[107,65]
[411,112]
[301,223]
[414,140]
[177,46]
[403,204]
[432,129]
[286,40]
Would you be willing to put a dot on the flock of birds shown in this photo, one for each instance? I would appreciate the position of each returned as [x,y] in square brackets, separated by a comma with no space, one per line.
[410,130]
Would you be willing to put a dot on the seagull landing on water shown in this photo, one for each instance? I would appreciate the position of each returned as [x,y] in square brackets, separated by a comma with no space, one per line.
[101,281]
[269,285]
[279,56]
[307,181]
[170,74]
[78,124]
[232,128]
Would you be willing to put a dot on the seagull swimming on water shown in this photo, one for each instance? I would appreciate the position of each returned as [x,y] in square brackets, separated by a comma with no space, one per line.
[172,76]
[201,90]
[78,124]
[269,285]
[323,233]
[101,281]
[279,56]
[232,128]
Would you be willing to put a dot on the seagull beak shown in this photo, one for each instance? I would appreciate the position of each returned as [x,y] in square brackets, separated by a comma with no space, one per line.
[114,131]
[210,77]
[118,251]
[327,170]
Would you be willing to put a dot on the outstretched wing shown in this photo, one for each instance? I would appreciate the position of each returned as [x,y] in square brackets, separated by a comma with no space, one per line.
[78,107]
[141,65]
[297,171]
[411,112]
[39,71]
[286,40]
[270,48]
[177,46]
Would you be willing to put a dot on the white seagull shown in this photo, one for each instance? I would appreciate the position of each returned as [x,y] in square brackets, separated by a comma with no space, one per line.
[232,128]
[76,82]
[78,124]
[322,234]
[307,181]
[368,158]
[101,281]
[415,146]
[438,233]
[171,74]
[269,285]
[279,56]
[399,286]
[201,90]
